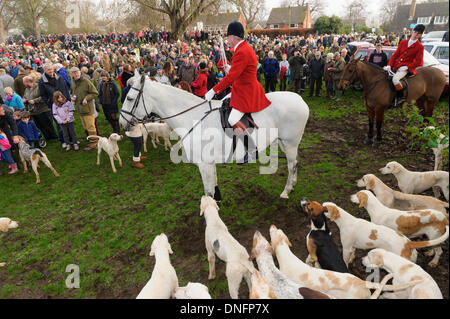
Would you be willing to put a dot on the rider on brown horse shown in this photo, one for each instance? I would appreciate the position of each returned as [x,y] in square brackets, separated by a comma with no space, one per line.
[407,57]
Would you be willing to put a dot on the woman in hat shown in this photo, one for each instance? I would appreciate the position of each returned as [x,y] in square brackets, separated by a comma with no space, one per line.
[407,57]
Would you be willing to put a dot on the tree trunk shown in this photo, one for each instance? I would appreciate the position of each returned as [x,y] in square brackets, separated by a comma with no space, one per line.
[2,31]
[37,29]
[175,26]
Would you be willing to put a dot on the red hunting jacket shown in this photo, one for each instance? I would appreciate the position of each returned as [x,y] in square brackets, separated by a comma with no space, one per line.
[247,94]
[412,57]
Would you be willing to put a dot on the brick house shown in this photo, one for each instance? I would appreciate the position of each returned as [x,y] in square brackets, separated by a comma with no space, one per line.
[290,17]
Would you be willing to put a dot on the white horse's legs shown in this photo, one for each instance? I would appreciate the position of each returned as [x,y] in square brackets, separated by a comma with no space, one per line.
[209,177]
[291,156]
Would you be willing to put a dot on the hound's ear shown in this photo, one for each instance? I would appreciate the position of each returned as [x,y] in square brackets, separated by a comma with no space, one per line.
[333,213]
[152,252]
[371,183]
[396,169]
[363,198]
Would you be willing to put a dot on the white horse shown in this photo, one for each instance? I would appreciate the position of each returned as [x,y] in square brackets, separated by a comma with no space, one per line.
[288,113]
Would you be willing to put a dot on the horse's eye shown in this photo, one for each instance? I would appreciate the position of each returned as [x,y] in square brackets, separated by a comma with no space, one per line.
[129,98]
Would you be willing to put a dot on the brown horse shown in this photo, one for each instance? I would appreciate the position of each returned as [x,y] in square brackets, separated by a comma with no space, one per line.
[425,88]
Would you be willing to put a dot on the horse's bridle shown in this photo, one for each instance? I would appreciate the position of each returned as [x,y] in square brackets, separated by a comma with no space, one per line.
[153,119]
[135,105]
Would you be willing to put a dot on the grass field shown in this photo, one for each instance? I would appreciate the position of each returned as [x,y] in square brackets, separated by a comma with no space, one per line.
[105,222]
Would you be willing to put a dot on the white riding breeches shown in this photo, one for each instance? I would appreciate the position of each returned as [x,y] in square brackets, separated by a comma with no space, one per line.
[398,76]
[235,116]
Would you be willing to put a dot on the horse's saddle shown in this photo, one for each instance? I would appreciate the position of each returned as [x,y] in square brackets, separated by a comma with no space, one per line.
[225,111]
[403,81]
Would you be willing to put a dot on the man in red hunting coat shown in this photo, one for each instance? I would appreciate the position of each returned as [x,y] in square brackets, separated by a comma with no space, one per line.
[247,94]
[407,57]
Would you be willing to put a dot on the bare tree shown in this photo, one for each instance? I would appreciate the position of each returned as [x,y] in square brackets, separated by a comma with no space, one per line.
[356,9]
[32,11]
[251,9]
[8,14]
[316,7]
[181,12]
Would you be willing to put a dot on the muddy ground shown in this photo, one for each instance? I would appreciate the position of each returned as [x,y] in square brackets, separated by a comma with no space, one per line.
[341,138]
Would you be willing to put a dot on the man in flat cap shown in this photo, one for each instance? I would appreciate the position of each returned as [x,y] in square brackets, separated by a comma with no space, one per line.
[407,57]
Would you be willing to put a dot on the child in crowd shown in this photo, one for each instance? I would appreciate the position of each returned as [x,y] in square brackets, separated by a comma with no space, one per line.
[27,129]
[5,153]
[13,99]
[17,115]
[63,113]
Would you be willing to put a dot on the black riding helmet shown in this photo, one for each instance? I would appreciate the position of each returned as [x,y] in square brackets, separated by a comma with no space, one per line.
[420,28]
[235,28]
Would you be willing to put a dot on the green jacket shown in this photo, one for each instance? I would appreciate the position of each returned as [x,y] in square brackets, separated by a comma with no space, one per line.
[83,88]
[338,67]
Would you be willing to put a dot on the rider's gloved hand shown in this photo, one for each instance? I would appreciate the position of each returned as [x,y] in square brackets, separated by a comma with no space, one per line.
[387,68]
[209,96]
[227,68]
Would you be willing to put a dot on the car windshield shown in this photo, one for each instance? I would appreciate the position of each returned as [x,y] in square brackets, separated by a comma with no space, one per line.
[434,34]
[428,47]
[428,59]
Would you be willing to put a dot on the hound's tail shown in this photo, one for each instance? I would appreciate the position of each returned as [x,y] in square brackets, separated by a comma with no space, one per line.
[377,292]
[382,285]
[95,136]
[428,243]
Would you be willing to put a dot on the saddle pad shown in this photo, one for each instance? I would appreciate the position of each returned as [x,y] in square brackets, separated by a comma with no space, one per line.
[225,111]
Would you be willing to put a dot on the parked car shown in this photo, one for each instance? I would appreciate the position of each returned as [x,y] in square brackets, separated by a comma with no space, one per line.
[428,60]
[439,50]
[433,36]
[352,47]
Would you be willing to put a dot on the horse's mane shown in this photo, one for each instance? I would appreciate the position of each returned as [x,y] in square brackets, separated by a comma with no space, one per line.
[180,91]
[374,66]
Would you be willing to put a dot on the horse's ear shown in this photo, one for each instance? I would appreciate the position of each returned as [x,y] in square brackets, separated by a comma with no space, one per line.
[359,58]
[142,79]
[136,72]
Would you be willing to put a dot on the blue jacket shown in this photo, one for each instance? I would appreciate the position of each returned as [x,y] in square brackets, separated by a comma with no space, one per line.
[16,101]
[271,67]
[14,72]
[28,131]
[63,73]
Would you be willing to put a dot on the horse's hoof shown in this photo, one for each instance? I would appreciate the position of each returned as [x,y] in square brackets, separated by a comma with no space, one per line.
[367,141]
[284,195]
[376,143]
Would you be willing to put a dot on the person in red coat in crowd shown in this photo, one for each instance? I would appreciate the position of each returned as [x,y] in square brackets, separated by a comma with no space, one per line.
[247,94]
[199,85]
[407,57]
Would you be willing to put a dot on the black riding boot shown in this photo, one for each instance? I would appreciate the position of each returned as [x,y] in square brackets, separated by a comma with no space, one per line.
[251,152]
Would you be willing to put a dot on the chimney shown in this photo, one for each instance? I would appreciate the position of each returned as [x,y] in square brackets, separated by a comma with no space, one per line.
[412,10]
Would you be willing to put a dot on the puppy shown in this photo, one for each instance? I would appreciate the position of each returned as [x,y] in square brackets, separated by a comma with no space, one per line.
[394,199]
[335,284]
[417,182]
[109,145]
[218,241]
[404,271]
[193,290]
[157,130]
[164,278]
[282,286]
[33,155]
[5,225]
[323,252]
[412,224]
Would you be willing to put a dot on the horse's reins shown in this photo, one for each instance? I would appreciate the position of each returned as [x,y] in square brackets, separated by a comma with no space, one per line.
[136,103]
